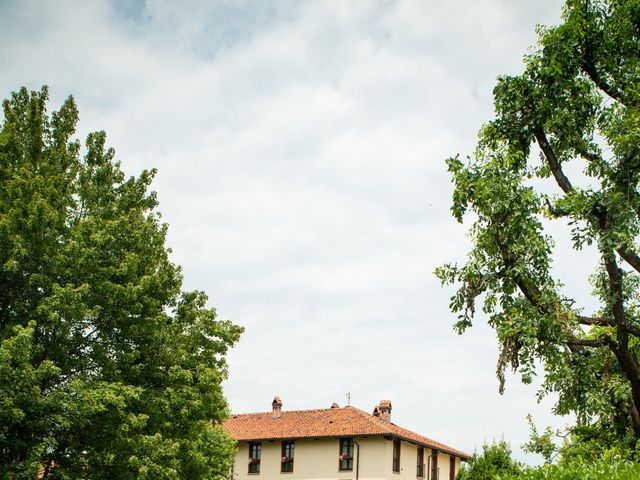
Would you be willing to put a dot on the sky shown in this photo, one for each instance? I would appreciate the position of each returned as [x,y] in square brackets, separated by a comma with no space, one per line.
[300,148]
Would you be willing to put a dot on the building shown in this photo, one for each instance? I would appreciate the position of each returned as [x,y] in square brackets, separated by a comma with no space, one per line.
[336,443]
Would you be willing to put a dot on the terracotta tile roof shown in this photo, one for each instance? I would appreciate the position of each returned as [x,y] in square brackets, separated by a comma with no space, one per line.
[330,422]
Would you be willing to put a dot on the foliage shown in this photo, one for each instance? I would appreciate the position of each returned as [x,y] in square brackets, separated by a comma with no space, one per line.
[542,443]
[577,104]
[494,461]
[608,467]
[107,368]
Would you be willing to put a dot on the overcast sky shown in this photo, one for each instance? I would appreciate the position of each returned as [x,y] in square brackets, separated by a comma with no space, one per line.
[300,149]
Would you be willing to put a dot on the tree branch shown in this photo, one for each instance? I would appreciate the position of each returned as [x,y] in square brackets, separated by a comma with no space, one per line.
[620,348]
[595,343]
[629,256]
[530,291]
[627,359]
[626,253]
[552,159]
[615,284]
[533,295]
[607,322]
[597,321]
[589,67]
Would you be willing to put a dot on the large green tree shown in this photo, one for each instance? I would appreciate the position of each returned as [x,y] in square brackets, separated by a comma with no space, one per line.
[107,368]
[576,108]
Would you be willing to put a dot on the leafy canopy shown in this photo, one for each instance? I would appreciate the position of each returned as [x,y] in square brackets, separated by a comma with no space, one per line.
[494,461]
[107,368]
[575,108]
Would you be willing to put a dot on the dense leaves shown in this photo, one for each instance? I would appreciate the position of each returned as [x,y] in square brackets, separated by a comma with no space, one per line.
[577,108]
[495,463]
[107,368]
[607,468]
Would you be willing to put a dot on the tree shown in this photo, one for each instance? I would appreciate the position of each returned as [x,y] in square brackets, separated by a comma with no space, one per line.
[577,105]
[107,368]
[494,462]
[609,466]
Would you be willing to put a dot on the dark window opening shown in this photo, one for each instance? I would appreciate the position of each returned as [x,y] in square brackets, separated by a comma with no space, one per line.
[286,460]
[434,465]
[396,456]
[345,455]
[254,457]
[420,463]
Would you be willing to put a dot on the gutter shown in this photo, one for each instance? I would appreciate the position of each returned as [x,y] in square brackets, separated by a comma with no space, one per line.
[357,458]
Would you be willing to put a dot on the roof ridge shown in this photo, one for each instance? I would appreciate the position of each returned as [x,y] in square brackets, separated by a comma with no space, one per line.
[269,412]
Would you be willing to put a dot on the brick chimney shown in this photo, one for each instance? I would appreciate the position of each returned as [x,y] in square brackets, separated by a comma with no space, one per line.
[276,406]
[383,410]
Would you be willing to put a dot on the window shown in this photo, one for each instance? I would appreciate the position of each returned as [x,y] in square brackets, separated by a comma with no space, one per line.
[396,456]
[254,457]
[286,460]
[420,467]
[435,470]
[345,458]
[452,468]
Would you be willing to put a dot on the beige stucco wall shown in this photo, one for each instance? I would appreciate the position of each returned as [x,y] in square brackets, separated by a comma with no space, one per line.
[443,466]
[318,460]
[408,461]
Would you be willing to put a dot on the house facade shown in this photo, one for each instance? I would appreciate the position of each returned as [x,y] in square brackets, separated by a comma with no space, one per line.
[336,444]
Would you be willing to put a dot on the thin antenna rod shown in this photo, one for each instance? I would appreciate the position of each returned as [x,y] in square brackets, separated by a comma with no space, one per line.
[348,398]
